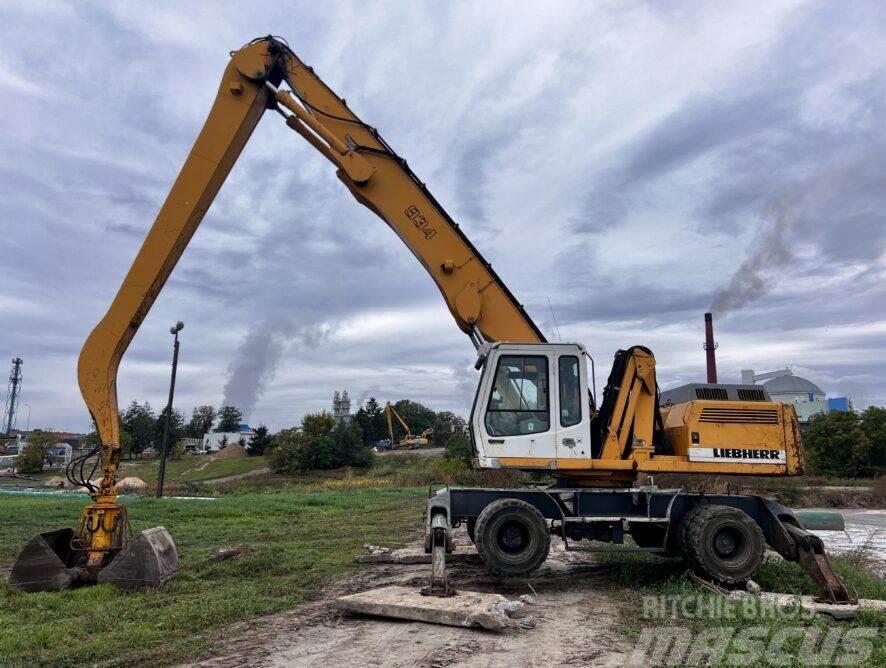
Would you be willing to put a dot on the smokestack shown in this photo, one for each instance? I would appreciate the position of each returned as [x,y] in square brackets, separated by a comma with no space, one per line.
[710,347]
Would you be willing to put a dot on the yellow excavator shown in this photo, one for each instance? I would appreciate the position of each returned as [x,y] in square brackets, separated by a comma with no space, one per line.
[409,441]
[533,409]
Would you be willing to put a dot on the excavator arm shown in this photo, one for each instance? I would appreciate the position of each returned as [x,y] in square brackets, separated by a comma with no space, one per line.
[479,301]
[378,178]
[389,411]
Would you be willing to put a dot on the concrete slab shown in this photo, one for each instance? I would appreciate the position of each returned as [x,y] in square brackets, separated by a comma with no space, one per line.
[839,612]
[465,609]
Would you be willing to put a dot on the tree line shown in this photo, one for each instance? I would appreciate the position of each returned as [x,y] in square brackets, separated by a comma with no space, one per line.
[321,443]
[846,444]
[142,429]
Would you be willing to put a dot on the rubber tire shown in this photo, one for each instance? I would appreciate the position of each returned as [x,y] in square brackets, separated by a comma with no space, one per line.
[697,533]
[537,537]
[472,529]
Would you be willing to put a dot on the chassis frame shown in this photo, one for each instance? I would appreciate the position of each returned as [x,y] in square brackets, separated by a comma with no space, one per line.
[602,514]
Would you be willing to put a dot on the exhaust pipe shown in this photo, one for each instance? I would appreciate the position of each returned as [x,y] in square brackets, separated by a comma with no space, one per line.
[710,347]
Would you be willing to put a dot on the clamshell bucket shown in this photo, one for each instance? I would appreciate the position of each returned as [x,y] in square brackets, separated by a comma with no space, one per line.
[49,563]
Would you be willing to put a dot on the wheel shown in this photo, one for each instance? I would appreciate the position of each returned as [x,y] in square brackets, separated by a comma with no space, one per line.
[472,529]
[512,537]
[722,544]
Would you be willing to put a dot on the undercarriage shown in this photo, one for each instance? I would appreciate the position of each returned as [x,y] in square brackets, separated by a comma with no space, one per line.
[722,537]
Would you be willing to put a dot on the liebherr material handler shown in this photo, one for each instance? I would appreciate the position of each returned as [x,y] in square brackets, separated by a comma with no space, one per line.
[532,409]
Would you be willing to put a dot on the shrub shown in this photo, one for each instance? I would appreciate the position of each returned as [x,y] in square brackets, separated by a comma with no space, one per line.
[459,448]
[296,452]
[178,450]
[838,444]
[349,448]
[261,440]
[30,460]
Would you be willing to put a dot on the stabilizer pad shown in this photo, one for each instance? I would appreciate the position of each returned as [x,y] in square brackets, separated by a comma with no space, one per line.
[149,559]
[46,563]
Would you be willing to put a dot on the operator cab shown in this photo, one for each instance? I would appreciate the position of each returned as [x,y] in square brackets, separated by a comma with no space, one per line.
[532,404]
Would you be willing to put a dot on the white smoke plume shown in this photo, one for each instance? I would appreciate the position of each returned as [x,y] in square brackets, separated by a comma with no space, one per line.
[371,391]
[259,354]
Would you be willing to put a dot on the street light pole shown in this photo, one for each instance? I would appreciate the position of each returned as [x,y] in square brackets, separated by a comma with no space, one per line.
[174,330]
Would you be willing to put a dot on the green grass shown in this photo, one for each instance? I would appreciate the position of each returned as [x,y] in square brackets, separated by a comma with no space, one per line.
[185,469]
[178,471]
[643,580]
[296,542]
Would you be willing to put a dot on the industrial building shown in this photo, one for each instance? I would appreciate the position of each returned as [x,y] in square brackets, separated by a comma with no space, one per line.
[807,397]
[218,440]
[782,386]
[341,407]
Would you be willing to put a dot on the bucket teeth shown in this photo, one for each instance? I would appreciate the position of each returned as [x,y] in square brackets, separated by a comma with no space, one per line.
[47,563]
[149,559]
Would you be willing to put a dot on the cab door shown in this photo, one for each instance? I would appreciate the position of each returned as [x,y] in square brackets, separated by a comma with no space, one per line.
[573,439]
[514,413]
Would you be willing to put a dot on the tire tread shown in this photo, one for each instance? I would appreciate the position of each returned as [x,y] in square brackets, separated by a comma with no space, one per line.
[692,541]
[487,514]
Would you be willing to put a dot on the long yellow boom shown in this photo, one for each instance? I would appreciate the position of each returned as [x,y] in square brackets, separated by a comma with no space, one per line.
[377,177]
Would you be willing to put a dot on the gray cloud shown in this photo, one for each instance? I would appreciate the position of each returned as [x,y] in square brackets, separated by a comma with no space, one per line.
[626,161]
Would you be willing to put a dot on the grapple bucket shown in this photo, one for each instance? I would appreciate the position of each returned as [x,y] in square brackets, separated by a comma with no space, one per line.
[47,563]
[149,559]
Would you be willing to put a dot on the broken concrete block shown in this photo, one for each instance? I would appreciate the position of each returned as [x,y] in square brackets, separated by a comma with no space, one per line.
[753,588]
[529,623]
[528,599]
[838,612]
[509,608]
[465,608]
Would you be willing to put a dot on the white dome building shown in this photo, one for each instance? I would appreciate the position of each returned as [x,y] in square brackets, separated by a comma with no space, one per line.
[790,389]
[807,397]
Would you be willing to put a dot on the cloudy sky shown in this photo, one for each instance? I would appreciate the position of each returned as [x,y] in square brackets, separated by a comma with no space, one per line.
[633,163]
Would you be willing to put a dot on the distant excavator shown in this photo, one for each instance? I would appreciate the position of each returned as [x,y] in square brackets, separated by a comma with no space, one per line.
[534,408]
[408,441]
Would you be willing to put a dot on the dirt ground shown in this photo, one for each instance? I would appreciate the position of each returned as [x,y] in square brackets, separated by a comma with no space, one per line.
[575,612]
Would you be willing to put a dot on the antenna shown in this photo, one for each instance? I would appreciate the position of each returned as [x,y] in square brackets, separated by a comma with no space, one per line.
[555,320]
[13,392]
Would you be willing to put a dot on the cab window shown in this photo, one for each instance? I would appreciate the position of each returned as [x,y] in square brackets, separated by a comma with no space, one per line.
[519,401]
[570,391]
